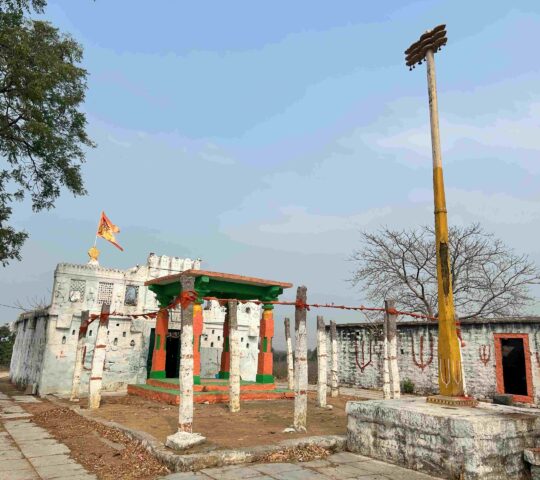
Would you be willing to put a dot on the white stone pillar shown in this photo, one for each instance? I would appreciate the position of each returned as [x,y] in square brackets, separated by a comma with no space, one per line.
[391,325]
[334,386]
[184,437]
[98,359]
[234,349]
[322,363]
[386,367]
[301,371]
[79,356]
[185,414]
[290,358]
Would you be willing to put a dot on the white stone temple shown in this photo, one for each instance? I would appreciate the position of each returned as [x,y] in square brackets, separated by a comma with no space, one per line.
[44,351]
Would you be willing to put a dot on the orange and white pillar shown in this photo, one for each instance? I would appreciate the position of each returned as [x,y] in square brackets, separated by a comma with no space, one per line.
[197,332]
[265,361]
[160,341]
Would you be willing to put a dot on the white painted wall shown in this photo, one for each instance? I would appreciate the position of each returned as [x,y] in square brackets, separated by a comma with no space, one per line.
[249,317]
[480,378]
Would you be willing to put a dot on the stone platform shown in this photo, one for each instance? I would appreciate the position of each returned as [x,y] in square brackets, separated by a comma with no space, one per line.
[167,390]
[486,442]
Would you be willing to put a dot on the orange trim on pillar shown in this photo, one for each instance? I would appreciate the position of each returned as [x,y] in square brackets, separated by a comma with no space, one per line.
[197,332]
[162,329]
[265,360]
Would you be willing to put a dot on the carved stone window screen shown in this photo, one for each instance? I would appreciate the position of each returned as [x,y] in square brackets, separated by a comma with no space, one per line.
[78,286]
[105,293]
[132,295]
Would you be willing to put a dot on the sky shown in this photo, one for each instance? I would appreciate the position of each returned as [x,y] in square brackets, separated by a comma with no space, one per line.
[263,137]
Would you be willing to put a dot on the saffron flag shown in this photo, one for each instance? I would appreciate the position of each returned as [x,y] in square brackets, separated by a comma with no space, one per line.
[107,229]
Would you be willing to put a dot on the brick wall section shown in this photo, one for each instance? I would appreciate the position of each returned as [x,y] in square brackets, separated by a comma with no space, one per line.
[417,354]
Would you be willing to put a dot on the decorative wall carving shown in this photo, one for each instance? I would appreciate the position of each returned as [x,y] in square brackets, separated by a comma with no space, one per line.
[484,353]
[420,362]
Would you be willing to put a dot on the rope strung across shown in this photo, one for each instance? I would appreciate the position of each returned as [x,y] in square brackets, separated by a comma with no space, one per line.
[188,297]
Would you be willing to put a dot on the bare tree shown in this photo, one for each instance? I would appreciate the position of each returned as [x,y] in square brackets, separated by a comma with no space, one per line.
[33,303]
[489,279]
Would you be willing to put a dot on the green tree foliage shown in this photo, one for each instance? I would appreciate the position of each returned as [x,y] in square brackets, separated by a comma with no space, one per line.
[42,130]
[6,345]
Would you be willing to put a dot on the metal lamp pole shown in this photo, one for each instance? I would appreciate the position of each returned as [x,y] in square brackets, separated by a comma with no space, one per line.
[450,372]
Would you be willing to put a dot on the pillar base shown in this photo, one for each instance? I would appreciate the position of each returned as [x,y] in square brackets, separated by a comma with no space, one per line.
[264,378]
[158,374]
[452,401]
[224,375]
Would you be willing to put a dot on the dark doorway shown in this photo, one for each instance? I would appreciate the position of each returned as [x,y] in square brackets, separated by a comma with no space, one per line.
[172,354]
[513,363]
[151,342]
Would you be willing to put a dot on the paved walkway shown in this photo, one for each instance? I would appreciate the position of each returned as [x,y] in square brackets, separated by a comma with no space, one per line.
[28,452]
[339,466]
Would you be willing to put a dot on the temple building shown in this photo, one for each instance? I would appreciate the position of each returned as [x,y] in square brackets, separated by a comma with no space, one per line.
[140,349]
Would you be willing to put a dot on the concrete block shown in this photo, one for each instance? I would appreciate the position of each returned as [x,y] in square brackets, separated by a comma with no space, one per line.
[345,470]
[273,468]
[231,473]
[12,465]
[44,451]
[186,476]
[503,399]
[183,440]
[50,460]
[467,443]
[19,475]
[303,474]
[52,472]
[346,457]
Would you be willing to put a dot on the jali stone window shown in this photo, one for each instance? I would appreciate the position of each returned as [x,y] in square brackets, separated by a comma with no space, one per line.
[76,290]
[132,295]
[105,293]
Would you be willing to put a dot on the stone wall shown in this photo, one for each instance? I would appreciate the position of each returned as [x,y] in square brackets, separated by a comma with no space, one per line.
[29,348]
[360,353]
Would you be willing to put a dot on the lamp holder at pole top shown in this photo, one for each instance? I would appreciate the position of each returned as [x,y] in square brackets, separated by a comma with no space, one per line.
[432,40]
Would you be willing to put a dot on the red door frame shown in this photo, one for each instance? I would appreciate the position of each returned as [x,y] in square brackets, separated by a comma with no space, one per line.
[499,367]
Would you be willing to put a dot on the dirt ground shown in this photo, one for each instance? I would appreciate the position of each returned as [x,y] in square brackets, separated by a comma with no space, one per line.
[107,452]
[110,454]
[258,422]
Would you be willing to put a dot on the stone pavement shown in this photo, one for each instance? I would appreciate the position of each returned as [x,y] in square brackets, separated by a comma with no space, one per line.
[339,466]
[28,452]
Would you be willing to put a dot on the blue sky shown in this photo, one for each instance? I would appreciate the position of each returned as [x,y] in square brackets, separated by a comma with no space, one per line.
[263,136]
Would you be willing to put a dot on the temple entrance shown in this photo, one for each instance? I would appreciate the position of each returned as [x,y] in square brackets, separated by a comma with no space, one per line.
[172,354]
[513,366]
